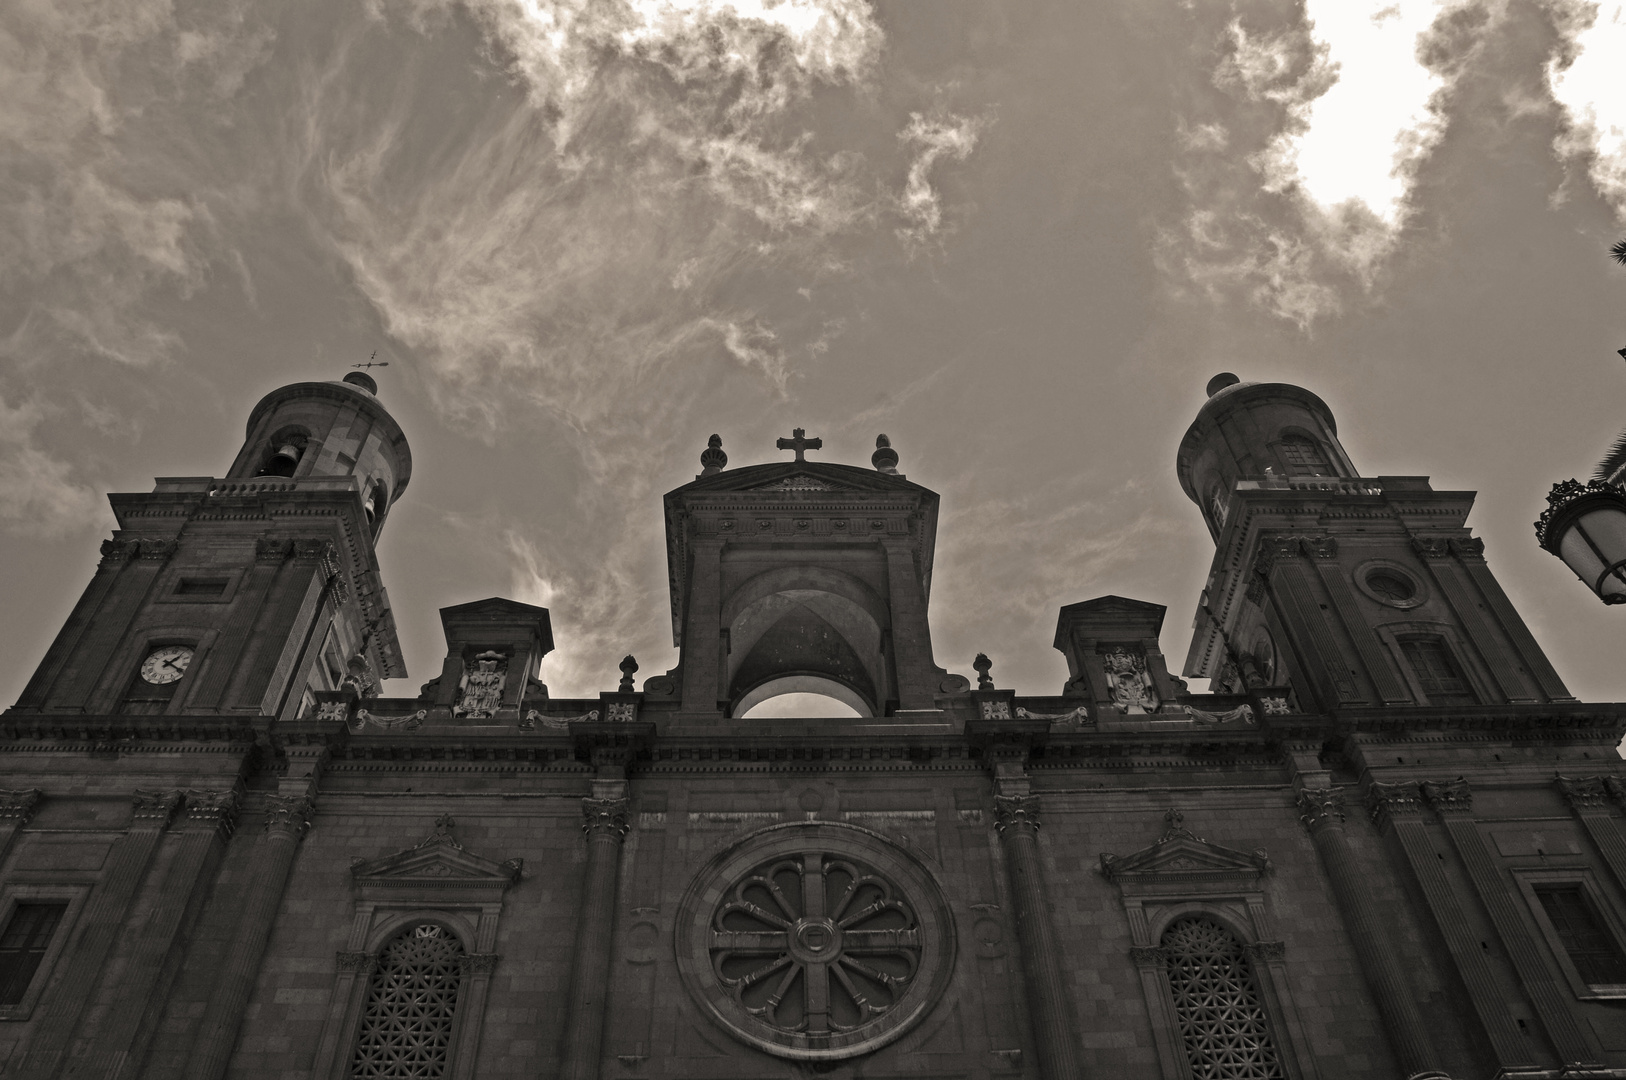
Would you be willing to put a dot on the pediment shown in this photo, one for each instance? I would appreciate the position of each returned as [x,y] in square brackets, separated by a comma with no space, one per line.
[1181,857]
[439,861]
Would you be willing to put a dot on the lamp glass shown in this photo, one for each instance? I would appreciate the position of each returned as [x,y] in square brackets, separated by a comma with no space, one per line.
[1594,546]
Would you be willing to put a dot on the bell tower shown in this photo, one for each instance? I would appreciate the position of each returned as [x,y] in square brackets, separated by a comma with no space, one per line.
[802,576]
[1355,591]
[246,594]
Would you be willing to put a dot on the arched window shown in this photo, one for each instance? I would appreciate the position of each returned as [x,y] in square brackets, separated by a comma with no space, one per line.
[1217,1004]
[406,1029]
[1304,456]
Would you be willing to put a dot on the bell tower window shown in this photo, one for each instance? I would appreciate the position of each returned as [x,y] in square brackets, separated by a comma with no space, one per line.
[1304,456]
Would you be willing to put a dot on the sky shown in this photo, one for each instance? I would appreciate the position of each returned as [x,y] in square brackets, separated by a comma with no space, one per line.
[1017,238]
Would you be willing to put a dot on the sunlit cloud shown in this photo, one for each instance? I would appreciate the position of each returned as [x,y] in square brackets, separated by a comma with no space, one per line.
[1586,81]
[1359,137]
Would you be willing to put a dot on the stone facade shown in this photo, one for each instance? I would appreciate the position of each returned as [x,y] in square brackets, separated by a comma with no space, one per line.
[1387,843]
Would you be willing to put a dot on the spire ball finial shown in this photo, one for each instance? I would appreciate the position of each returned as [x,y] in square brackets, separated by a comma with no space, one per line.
[712,458]
[629,668]
[983,666]
[1220,382]
[885,459]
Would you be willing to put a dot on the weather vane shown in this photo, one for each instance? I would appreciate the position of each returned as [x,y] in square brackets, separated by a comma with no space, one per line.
[370,364]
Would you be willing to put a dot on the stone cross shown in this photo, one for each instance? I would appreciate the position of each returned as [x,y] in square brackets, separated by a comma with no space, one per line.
[797,443]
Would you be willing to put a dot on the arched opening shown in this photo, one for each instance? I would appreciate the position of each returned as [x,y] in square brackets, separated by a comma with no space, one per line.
[1303,456]
[283,454]
[411,1008]
[806,630]
[795,697]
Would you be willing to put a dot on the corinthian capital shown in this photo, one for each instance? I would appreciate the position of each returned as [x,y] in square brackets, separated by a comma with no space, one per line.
[1583,792]
[602,816]
[153,809]
[1320,807]
[288,815]
[212,810]
[1392,802]
[17,806]
[1449,796]
[1016,811]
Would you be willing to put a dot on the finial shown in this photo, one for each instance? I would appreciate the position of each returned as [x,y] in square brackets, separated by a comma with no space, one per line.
[370,362]
[885,459]
[1220,382]
[797,443]
[712,458]
[629,667]
[983,666]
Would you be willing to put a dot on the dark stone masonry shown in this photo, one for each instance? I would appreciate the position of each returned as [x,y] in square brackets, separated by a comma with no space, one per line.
[1387,843]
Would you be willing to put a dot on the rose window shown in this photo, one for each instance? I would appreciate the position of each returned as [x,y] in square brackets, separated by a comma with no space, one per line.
[815,940]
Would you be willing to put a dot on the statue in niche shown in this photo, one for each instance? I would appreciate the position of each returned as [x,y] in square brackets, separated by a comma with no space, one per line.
[1128,681]
[482,687]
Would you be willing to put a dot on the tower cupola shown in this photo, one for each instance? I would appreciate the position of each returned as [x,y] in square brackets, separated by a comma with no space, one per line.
[329,430]
[1256,431]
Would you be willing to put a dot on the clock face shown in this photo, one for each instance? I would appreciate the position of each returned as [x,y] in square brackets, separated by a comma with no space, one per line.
[166,664]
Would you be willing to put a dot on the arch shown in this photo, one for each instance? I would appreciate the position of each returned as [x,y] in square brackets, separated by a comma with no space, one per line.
[802,684]
[1305,454]
[1219,1007]
[284,451]
[388,928]
[1194,909]
[409,1017]
[805,629]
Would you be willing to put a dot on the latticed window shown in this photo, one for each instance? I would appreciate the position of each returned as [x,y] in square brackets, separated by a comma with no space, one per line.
[23,945]
[1304,457]
[1591,948]
[1217,1004]
[406,1030]
[1437,672]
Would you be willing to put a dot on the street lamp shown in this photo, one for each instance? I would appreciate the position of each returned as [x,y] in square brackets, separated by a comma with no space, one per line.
[1585,525]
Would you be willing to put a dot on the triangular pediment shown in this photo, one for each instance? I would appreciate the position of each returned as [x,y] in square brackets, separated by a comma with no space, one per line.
[438,860]
[1181,856]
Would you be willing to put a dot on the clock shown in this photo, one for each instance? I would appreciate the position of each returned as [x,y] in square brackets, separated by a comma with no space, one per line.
[166,664]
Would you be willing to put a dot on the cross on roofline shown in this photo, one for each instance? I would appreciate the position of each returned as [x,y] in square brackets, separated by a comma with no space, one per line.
[799,444]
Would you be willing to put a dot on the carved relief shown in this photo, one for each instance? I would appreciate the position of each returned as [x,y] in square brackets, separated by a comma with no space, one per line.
[288,815]
[1387,802]
[1431,547]
[17,805]
[996,710]
[1320,807]
[604,816]
[1016,811]
[1449,796]
[481,692]
[212,810]
[621,712]
[1584,792]
[1128,681]
[153,809]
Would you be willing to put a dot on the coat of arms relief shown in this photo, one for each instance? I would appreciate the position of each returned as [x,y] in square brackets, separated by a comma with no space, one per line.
[1128,681]
[480,695]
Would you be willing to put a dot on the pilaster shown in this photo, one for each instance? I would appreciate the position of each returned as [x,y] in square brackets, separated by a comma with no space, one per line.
[1437,555]
[103,919]
[16,810]
[1588,798]
[1398,809]
[1453,800]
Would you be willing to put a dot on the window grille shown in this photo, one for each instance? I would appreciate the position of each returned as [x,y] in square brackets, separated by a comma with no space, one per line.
[22,946]
[1304,457]
[1437,672]
[1217,1005]
[1592,949]
[406,1030]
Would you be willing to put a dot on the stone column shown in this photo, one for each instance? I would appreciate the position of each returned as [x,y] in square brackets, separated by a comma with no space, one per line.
[287,818]
[16,809]
[101,922]
[1398,808]
[1016,818]
[1454,802]
[1379,957]
[581,1047]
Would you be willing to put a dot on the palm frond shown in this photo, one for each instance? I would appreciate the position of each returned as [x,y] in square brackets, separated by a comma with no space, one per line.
[1613,461]
[1618,251]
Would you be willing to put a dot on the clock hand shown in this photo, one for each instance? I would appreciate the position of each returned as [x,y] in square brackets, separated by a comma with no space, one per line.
[171,663]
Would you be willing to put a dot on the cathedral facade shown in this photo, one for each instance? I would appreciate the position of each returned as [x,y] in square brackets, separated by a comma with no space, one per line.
[1387,842]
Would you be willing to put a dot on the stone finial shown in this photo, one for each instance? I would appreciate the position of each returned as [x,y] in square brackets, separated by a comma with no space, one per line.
[629,668]
[1220,382]
[712,458]
[885,459]
[983,666]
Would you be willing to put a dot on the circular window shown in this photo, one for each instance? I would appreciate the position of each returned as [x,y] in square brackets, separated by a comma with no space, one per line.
[815,941]
[1388,584]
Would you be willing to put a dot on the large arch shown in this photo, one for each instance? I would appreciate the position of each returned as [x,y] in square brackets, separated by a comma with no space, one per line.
[806,630]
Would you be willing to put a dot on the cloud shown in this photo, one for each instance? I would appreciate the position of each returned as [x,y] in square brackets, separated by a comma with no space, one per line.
[38,493]
[1299,189]
[935,137]
[1584,76]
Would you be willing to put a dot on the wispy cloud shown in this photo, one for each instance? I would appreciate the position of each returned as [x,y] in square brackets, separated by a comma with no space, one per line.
[39,494]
